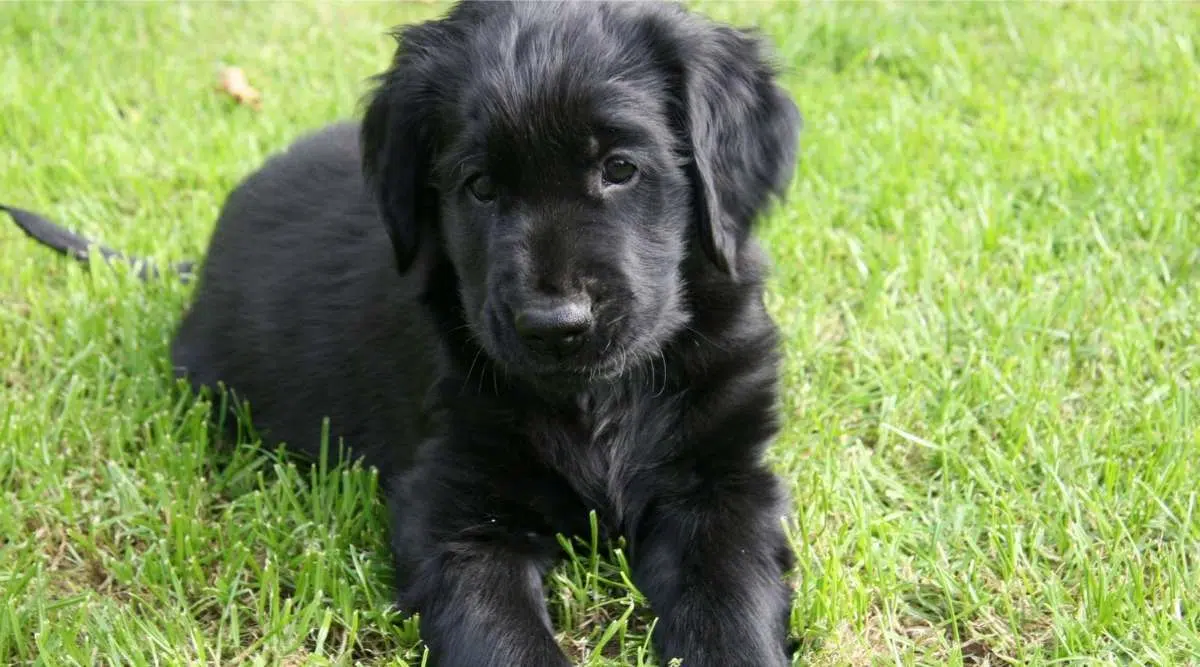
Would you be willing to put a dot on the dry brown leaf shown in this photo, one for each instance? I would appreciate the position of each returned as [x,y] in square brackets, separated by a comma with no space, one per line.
[236,85]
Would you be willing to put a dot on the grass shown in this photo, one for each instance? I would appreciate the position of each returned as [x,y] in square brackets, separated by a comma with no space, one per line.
[988,273]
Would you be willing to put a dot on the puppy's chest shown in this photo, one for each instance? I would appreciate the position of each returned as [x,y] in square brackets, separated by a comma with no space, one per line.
[609,439]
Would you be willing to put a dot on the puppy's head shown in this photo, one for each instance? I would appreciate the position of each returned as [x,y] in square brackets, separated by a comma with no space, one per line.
[566,159]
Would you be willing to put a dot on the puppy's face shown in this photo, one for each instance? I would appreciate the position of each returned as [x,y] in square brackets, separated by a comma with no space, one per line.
[566,159]
[565,210]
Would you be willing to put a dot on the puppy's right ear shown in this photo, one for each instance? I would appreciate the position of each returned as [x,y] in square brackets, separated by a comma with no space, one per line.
[397,143]
[739,126]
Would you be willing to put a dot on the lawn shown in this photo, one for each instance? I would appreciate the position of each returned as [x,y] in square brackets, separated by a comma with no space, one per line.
[988,274]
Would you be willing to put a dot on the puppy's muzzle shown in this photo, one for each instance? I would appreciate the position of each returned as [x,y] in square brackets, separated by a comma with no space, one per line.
[557,327]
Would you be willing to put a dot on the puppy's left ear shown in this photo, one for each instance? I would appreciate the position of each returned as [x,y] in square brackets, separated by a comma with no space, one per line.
[743,130]
[397,142]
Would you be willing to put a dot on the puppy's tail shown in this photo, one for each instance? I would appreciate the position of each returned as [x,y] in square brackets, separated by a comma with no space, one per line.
[79,248]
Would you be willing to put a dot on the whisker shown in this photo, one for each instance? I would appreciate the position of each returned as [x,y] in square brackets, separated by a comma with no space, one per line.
[471,369]
[663,389]
[652,378]
[705,338]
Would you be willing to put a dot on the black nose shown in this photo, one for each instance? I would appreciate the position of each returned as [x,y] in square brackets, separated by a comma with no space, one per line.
[558,327]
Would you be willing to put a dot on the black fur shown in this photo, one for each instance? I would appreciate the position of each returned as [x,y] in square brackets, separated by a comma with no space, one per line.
[404,333]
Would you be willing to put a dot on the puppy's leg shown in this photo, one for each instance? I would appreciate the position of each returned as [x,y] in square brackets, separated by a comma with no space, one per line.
[482,606]
[712,565]
[473,571]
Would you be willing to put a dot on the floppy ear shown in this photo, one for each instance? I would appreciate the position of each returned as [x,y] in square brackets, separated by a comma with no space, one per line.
[397,144]
[743,133]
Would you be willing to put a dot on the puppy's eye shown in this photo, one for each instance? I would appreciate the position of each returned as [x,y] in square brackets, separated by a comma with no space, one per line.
[618,171]
[482,188]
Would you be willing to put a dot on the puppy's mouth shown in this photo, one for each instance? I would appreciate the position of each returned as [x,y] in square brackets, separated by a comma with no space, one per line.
[560,357]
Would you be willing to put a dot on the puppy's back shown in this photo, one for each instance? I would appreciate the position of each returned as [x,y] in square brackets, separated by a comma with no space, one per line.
[299,308]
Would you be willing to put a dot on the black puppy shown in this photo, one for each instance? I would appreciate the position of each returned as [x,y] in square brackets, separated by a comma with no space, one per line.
[543,298]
